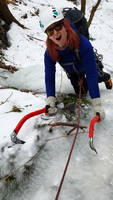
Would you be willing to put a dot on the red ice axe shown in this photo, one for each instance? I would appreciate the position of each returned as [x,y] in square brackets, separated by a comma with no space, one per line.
[14,137]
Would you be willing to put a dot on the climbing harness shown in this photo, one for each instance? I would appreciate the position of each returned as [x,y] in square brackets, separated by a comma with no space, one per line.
[103,76]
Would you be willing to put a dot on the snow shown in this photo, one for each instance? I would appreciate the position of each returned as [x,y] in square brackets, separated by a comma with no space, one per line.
[89,176]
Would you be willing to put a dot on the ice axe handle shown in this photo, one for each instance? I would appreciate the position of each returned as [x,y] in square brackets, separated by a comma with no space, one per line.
[28,116]
[14,137]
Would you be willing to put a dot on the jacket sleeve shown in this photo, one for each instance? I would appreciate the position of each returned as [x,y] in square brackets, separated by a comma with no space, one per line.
[50,70]
[89,64]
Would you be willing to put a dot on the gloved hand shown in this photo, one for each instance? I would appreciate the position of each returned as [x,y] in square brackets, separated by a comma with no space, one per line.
[51,103]
[97,106]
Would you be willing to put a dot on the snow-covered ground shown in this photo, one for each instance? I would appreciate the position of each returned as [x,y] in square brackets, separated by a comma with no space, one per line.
[89,176]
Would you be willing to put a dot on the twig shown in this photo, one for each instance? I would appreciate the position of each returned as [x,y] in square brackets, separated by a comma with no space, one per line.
[6,99]
[64,136]
[69,133]
[66,124]
[11,2]
[31,37]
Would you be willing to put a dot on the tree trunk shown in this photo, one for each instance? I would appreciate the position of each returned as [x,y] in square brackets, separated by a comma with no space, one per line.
[93,10]
[83,6]
[6,15]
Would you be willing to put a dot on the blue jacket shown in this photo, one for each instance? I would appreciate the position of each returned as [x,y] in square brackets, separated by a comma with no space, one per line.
[69,62]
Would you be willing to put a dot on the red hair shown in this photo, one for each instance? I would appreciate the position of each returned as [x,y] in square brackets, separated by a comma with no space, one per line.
[73,41]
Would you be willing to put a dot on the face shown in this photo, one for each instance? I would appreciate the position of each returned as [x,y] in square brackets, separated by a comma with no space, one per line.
[58,34]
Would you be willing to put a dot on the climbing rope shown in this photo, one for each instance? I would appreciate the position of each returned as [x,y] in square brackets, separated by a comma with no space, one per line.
[73,143]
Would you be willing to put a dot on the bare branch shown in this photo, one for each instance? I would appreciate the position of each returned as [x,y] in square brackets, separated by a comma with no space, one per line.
[63,136]
[93,10]
[11,2]
[7,16]
[66,124]
[31,38]
[6,99]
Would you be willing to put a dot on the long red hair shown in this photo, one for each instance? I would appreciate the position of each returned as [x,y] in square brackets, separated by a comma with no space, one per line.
[73,41]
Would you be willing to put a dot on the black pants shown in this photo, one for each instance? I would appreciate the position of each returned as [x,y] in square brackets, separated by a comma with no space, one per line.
[75,80]
[102,77]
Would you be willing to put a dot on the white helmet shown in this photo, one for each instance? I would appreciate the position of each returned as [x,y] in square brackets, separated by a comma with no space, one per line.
[49,16]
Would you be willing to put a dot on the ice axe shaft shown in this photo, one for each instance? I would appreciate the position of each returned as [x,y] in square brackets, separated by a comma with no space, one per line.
[21,122]
[92,124]
[28,116]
